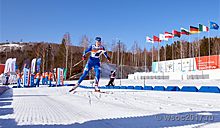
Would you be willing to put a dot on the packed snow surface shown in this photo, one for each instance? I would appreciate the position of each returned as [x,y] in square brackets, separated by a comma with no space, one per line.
[55,107]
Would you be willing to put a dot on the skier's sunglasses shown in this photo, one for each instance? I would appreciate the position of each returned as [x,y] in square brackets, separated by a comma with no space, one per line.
[99,40]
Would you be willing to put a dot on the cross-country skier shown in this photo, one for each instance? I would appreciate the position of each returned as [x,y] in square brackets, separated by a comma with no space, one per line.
[112,78]
[96,50]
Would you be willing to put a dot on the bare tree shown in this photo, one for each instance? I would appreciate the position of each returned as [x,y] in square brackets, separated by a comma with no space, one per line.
[84,41]
[113,50]
[67,45]
[39,52]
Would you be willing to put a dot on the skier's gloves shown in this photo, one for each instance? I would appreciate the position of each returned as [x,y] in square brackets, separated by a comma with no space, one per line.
[109,59]
[83,58]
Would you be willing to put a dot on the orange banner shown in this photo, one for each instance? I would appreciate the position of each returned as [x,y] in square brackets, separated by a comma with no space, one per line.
[203,63]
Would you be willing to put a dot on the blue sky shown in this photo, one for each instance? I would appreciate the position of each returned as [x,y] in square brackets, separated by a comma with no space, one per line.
[128,20]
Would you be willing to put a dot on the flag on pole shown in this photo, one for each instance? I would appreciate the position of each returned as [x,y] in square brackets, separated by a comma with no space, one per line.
[194,29]
[185,31]
[213,25]
[203,28]
[156,39]
[176,34]
[168,35]
[162,37]
[148,39]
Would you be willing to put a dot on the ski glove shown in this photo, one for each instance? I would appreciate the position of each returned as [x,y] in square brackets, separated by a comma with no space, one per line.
[83,58]
[109,59]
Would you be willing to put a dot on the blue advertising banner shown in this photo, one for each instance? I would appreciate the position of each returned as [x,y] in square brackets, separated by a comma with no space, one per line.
[38,64]
[26,76]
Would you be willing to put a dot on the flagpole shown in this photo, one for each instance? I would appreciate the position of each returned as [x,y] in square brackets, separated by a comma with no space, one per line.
[193,51]
[199,49]
[158,54]
[172,54]
[181,50]
[165,56]
[189,52]
[209,45]
[146,57]
[152,55]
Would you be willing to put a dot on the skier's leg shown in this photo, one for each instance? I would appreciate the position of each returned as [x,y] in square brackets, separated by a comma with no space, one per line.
[86,71]
[111,82]
[97,68]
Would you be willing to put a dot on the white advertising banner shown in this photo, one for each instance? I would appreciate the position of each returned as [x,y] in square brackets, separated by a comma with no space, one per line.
[175,65]
[26,76]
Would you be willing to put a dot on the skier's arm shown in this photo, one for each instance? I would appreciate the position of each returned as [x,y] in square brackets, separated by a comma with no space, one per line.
[106,55]
[87,50]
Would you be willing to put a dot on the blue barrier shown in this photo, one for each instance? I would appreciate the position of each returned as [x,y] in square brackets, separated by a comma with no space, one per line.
[17,87]
[189,89]
[172,88]
[117,87]
[29,86]
[138,87]
[106,87]
[111,87]
[102,87]
[148,88]
[159,88]
[130,87]
[211,89]
[123,87]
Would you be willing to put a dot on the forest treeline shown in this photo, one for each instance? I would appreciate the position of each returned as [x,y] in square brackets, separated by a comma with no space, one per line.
[65,55]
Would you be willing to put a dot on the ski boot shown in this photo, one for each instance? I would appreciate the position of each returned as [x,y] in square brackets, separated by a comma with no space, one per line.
[97,89]
[74,87]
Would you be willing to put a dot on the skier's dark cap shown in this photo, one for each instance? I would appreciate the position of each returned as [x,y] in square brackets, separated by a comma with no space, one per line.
[98,39]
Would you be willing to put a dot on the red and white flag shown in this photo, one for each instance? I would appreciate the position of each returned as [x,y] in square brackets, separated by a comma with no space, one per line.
[168,35]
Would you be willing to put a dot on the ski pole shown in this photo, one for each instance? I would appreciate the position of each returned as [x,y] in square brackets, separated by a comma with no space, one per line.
[77,63]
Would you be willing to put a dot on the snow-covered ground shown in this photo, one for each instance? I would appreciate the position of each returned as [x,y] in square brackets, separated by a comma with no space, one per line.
[56,107]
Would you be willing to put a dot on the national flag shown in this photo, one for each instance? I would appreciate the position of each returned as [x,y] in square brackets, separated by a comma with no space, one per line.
[194,29]
[156,39]
[203,28]
[162,37]
[185,31]
[213,25]
[168,35]
[176,34]
[148,39]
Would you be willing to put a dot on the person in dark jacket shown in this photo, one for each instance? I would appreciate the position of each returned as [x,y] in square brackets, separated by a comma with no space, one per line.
[112,78]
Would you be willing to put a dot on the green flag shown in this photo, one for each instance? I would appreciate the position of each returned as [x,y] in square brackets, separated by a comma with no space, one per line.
[65,70]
